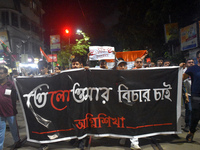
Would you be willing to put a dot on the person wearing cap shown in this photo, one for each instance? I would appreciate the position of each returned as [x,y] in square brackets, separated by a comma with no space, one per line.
[121,65]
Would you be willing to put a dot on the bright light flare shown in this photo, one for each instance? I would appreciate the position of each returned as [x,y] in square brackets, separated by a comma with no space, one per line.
[67,31]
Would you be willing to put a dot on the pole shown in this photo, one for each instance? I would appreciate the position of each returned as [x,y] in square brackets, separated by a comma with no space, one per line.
[52,60]
[69,40]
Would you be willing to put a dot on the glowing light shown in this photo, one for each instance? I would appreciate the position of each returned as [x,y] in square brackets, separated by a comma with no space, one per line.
[78,31]
[67,31]
[28,65]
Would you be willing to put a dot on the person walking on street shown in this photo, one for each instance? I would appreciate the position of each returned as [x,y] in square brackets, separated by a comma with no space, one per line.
[122,65]
[194,73]
[8,111]
[187,96]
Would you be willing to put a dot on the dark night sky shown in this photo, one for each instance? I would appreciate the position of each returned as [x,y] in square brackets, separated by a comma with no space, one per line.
[77,14]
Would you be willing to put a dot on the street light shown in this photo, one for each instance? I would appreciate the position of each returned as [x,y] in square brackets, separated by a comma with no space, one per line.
[68,33]
[78,31]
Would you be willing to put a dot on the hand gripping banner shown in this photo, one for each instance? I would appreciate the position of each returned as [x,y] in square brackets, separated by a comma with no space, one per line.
[104,103]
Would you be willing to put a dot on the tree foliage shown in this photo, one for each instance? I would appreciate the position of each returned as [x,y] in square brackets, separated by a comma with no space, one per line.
[80,49]
[141,24]
[82,45]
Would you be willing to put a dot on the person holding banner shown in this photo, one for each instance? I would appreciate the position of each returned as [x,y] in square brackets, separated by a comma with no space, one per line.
[194,72]
[8,111]
[103,64]
[43,67]
[77,63]
[44,70]
[122,65]
[56,70]
[187,96]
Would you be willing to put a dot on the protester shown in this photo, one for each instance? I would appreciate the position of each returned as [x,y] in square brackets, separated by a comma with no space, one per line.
[138,63]
[143,57]
[103,64]
[187,96]
[152,64]
[43,67]
[8,109]
[56,70]
[13,74]
[44,70]
[146,65]
[167,63]
[122,65]
[194,72]
[159,62]
[77,63]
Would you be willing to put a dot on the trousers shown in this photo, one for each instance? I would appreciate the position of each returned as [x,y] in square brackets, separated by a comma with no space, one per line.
[13,128]
[195,113]
[188,112]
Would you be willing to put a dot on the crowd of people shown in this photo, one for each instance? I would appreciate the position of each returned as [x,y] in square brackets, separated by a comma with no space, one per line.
[191,95]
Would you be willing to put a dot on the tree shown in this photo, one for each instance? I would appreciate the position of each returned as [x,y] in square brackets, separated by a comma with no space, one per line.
[64,56]
[141,24]
[82,45]
[80,49]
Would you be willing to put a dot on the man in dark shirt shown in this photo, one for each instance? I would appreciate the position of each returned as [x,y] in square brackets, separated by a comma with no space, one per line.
[194,73]
[8,109]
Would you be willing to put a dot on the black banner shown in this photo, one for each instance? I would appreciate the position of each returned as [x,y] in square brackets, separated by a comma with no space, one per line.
[77,103]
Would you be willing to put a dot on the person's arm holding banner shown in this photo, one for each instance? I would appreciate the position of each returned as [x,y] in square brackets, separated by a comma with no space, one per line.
[88,59]
[185,76]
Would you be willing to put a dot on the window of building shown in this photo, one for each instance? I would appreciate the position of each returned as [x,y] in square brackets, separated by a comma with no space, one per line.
[14,18]
[25,23]
[5,18]
[35,7]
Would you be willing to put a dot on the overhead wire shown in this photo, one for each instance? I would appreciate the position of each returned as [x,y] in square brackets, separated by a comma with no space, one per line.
[82,12]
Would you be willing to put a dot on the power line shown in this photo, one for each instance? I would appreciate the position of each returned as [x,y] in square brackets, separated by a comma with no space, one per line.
[82,12]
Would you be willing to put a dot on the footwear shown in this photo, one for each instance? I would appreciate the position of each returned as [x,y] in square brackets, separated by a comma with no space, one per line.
[17,144]
[135,147]
[189,137]
[43,147]
[186,129]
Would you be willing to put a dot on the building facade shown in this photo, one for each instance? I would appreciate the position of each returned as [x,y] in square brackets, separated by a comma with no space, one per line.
[21,27]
